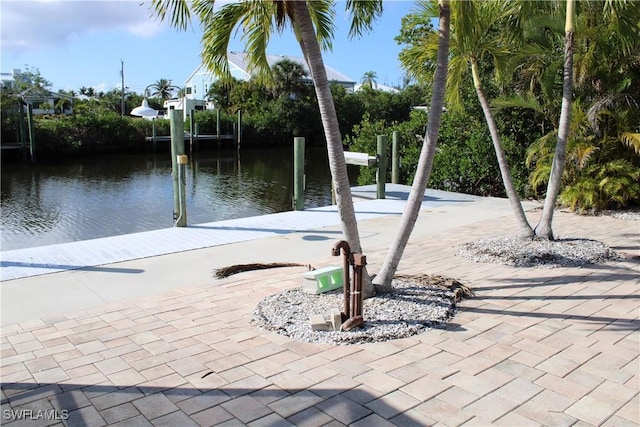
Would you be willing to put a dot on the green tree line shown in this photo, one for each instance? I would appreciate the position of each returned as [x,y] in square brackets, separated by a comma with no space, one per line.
[521,77]
[519,67]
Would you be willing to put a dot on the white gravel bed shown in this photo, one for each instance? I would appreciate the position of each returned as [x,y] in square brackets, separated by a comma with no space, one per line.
[627,215]
[413,308]
[512,250]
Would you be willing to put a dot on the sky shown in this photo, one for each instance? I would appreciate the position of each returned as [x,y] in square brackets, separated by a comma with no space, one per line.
[76,43]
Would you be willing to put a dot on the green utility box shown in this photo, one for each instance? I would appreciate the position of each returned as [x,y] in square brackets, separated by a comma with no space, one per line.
[322,280]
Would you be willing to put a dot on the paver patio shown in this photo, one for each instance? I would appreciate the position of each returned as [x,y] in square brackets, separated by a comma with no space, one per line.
[534,347]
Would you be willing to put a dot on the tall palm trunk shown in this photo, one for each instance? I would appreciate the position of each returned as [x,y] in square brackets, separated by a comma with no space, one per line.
[425,162]
[544,229]
[525,229]
[337,164]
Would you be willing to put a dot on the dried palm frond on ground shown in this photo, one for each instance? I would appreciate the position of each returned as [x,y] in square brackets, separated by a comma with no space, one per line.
[459,290]
[223,272]
[418,303]
[512,250]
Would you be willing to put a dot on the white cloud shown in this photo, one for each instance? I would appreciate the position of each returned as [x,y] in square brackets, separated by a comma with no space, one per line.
[33,24]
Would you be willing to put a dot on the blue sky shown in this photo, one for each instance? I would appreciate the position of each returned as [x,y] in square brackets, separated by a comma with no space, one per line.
[82,43]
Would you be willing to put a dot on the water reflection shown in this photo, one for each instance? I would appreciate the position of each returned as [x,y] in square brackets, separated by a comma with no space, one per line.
[47,204]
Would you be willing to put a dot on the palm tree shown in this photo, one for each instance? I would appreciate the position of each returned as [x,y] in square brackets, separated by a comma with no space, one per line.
[369,79]
[480,29]
[161,89]
[287,76]
[600,169]
[544,229]
[425,162]
[312,24]
[483,28]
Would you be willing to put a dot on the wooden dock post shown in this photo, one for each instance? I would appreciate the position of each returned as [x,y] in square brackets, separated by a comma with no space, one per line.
[395,157]
[218,125]
[298,173]
[23,133]
[239,128]
[381,174]
[32,134]
[176,121]
[192,139]
[154,134]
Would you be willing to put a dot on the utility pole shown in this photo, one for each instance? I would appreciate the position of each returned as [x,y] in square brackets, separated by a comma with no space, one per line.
[122,91]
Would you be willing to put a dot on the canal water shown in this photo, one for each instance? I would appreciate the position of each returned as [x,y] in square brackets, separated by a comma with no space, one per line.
[87,199]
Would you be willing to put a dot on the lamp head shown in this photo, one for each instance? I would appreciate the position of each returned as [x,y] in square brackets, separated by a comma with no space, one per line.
[144,110]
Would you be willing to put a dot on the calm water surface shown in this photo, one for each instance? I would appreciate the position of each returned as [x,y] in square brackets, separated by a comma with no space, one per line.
[80,199]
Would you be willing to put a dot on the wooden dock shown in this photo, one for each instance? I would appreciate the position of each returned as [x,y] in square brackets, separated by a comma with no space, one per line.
[11,146]
[199,138]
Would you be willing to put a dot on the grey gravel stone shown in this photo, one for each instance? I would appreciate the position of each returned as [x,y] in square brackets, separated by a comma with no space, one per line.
[518,252]
[413,308]
[627,215]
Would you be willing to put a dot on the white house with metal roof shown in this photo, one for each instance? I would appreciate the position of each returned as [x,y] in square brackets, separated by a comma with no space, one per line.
[199,82]
[43,101]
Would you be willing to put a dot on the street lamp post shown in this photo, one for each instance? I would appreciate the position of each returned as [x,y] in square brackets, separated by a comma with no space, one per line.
[144,110]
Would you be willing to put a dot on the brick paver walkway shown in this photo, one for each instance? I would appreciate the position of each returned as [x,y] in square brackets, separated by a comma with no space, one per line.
[535,347]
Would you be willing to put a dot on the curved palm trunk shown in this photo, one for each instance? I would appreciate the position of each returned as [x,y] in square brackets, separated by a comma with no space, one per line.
[544,229]
[425,162]
[525,229]
[313,55]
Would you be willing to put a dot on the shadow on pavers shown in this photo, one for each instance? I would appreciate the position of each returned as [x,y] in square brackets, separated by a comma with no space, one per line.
[29,404]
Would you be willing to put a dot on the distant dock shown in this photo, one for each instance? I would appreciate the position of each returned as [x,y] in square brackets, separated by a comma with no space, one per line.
[199,138]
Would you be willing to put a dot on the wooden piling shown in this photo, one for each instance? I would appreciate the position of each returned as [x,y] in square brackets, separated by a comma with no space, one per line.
[32,134]
[381,174]
[298,173]
[154,134]
[395,157]
[192,140]
[176,121]
[218,126]
[23,133]
[239,128]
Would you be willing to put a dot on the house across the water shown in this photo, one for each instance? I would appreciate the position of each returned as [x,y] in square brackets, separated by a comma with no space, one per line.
[43,101]
[199,82]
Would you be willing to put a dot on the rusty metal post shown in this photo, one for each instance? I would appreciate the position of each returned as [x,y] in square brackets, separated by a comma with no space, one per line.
[347,259]
[359,262]
[355,316]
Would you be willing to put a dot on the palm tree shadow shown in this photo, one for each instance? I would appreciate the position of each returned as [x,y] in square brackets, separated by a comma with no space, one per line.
[614,323]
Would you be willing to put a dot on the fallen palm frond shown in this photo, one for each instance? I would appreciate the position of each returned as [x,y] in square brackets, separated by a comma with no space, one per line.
[223,272]
[459,290]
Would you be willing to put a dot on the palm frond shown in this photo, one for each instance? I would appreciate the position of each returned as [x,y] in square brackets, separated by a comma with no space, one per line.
[363,14]
[177,10]
[541,151]
[257,26]
[458,67]
[218,30]
[631,140]
[525,101]
[582,153]
[540,176]
[322,15]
